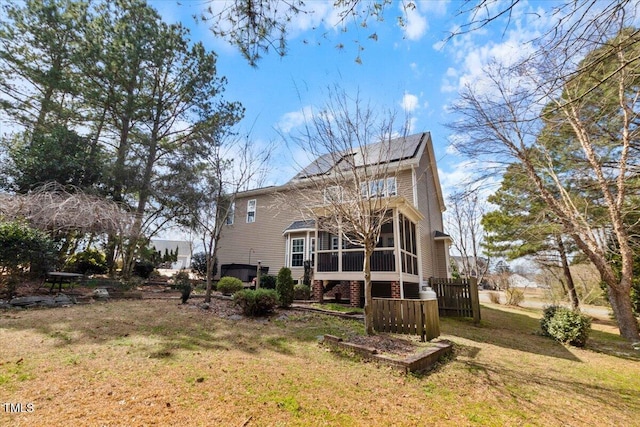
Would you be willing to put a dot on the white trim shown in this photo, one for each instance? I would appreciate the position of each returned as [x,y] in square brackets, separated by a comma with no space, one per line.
[254,210]
[396,249]
[286,251]
[414,185]
[303,252]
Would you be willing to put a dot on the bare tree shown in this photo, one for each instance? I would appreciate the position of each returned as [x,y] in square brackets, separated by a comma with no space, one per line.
[230,166]
[464,218]
[524,114]
[350,188]
[54,209]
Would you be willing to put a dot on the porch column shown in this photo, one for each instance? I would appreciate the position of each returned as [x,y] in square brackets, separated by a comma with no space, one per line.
[397,244]
[395,290]
[354,291]
[318,291]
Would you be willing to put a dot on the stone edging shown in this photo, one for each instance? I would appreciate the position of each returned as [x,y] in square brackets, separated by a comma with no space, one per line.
[418,363]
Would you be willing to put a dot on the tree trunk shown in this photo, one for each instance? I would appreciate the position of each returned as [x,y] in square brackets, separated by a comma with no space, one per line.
[573,295]
[210,258]
[623,311]
[368,309]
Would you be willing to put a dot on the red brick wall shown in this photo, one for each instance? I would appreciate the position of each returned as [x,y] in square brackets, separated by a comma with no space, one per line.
[354,288]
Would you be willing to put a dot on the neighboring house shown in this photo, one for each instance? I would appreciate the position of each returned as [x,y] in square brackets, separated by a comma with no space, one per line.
[183,247]
[266,227]
[477,269]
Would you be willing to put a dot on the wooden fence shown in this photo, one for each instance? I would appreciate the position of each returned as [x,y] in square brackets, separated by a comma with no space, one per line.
[406,316]
[457,297]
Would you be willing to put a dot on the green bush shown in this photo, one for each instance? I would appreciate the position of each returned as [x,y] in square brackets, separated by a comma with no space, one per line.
[143,269]
[25,249]
[547,314]
[268,282]
[90,261]
[182,282]
[284,287]
[302,292]
[256,303]
[566,325]
[229,285]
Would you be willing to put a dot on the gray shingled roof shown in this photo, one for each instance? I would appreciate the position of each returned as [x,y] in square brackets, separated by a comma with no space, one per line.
[377,153]
[301,225]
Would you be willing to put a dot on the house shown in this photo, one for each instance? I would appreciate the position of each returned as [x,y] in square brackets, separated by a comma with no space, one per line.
[275,226]
[477,267]
[182,247]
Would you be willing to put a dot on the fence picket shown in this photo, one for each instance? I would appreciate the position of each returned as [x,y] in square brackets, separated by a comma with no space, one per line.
[457,297]
[415,317]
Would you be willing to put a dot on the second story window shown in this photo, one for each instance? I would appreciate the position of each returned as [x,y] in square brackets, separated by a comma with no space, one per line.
[383,187]
[230,213]
[251,211]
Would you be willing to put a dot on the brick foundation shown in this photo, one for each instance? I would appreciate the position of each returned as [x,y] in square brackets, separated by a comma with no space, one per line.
[318,291]
[354,290]
[395,290]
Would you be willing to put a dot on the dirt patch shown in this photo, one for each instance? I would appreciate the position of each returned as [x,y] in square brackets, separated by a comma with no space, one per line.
[385,344]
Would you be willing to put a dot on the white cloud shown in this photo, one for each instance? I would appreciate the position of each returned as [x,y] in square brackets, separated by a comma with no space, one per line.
[292,120]
[409,102]
[416,24]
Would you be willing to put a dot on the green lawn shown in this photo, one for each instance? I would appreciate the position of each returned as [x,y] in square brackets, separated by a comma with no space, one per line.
[155,362]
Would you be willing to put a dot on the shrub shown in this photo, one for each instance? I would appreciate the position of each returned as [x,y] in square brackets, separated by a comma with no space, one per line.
[229,285]
[494,297]
[547,315]
[182,281]
[268,282]
[143,269]
[90,261]
[23,249]
[256,303]
[284,287]
[514,296]
[566,325]
[301,292]
[199,265]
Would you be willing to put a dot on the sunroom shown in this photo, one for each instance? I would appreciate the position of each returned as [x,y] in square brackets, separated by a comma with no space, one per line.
[395,263]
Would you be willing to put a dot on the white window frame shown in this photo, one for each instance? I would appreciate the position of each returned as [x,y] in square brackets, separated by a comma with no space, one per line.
[391,187]
[251,209]
[230,214]
[297,252]
[383,187]
[335,243]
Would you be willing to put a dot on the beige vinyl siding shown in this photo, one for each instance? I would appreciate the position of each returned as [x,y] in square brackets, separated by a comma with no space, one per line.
[428,205]
[261,240]
[246,243]
[405,184]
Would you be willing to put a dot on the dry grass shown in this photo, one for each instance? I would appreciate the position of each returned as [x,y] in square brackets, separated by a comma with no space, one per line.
[154,362]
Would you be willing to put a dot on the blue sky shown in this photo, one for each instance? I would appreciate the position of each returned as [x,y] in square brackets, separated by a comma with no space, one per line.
[408,68]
